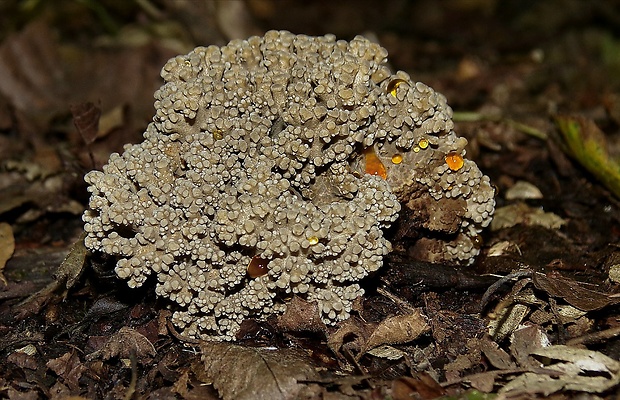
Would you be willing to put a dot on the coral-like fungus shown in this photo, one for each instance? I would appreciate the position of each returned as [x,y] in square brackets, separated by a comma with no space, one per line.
[272,168]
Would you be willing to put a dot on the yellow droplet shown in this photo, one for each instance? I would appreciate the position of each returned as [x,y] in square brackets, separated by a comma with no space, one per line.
[313,240]
[258,267]
[218,134]
[374,166]
[423,143]
[455,161]
[393,85]
[416,149]
[397,159]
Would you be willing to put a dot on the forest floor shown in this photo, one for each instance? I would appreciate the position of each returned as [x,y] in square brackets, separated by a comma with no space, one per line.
[535,87]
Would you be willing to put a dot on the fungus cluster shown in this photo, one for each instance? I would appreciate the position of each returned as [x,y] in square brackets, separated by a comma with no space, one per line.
[272,168]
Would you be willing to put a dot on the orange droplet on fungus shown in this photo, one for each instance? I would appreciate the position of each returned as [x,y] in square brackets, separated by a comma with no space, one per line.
[313,240]
[455,161]
[393,85]
[423,143]
[374,166]
[397,159]
[257,267]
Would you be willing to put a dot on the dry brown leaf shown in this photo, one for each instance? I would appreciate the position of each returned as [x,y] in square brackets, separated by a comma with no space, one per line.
[7,247]
[113,119]
[23,360]
[72,266]
[422,386]
[398,329]
[301,315]
[482,382]
[573,292]
[521,213]
[241,373]
[352,334]
[123,343]
[578,369]
[525,341]
[86,120]
[66,275]
[496,356]
[523,190]
[69,369]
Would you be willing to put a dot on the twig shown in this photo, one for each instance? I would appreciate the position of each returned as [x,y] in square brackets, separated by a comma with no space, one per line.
[494,287]
[595,337]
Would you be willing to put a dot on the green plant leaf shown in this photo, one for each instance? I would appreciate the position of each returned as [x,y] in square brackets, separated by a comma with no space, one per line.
[586,143]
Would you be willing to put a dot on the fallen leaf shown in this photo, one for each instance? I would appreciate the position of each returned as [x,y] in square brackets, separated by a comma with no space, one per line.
[587,144]
[580,370]
[398,329]
[7,247]
[521,213]
[111,120]
[86,120]
[526,340]
[241,373]
[66,275]
[351,334]
[387,352]
[301,315]
[23,360]
[422,386]
[496,356]
[522,190]
[69,369]
[123,343]
[72,266]
[573,292]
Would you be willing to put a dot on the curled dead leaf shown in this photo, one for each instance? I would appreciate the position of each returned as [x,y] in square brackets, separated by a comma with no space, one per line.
[242,373]
[398,329]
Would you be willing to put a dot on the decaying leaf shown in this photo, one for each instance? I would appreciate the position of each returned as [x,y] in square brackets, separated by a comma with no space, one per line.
[398,329]
[422,386]
[68,368]
[387,352]
[496,355]
[587,144]
[521,213]
[573,292]
[301,315]
[578,369]
[7,247]
[523,190]
[66,275]
[524,341]
[241,373]
[86,120]
[72,266]
[123,343]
